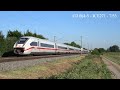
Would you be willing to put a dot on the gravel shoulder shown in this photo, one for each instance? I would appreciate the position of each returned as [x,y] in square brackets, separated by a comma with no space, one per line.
[6,66]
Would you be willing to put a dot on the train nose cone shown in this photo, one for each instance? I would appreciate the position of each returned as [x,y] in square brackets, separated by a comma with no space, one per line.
[19,50]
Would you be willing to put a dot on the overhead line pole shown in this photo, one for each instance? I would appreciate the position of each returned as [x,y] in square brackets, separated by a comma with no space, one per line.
[54,38]
[55,43]
[88,46]
[81,41]
[81,45]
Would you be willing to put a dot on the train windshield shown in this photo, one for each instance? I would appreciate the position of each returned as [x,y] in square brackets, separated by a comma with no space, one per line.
[22,40]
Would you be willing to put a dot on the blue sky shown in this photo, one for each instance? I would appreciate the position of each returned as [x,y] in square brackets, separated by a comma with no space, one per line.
[99,29]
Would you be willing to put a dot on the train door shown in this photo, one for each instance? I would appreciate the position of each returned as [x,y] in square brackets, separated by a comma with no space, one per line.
[38,48]
[34,45]
[55,47]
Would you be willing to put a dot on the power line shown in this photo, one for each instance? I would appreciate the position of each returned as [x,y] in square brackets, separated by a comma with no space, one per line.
[54,38]
[81,41]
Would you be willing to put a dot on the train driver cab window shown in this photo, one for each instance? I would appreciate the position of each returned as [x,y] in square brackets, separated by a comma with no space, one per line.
[22,40]
[33,44]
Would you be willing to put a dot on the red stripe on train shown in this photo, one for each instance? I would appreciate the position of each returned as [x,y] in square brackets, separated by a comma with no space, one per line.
[40,48]
[46,49]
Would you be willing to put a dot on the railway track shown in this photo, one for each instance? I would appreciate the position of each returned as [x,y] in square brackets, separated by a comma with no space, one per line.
[13,63]
[23,58]
[113,67]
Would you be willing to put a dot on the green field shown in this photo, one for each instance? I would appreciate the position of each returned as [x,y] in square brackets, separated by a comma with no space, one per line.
[91,67]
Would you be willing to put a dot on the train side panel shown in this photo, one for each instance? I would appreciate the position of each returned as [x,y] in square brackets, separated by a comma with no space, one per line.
[31,45]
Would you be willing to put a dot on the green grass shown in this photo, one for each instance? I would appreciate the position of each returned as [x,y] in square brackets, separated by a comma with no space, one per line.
[91,67]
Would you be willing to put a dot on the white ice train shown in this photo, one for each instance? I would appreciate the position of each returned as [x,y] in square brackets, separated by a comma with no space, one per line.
[35,46]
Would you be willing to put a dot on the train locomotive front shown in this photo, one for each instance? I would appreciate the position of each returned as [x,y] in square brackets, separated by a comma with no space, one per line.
[20,46]
[30,45]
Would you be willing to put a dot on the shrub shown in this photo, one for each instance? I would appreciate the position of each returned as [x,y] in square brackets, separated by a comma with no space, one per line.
[95,52]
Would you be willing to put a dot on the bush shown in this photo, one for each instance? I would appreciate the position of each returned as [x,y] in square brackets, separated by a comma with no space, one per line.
[8,54]
[95,52]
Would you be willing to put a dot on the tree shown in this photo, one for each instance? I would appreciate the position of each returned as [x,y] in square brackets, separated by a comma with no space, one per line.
[12,37]
[28,33]
[10,41]
[40,36]
[95,52]
[15,33]
[113,48]
[67,43]
[73,44]
[101,50]
[1,36]
[2,43]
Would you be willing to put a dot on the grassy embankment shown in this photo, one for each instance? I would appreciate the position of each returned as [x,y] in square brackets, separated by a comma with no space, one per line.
[90,67]
[42,70]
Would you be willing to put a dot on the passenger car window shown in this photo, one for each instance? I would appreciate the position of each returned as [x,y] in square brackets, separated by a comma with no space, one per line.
[33,44]
[46,45]
[71,49]
[62,47]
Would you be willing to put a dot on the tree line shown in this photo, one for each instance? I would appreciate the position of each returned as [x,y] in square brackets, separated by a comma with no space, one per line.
[113,48]
[73,44]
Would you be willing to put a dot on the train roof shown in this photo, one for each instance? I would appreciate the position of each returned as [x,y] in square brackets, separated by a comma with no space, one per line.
[60,44]
[31,37]
[74,47]
[43,40]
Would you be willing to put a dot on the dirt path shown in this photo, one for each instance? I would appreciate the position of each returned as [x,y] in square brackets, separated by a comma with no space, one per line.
[113,67]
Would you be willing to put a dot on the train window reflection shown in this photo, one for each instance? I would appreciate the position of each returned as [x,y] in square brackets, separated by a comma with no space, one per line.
[22,40]
[33,44]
